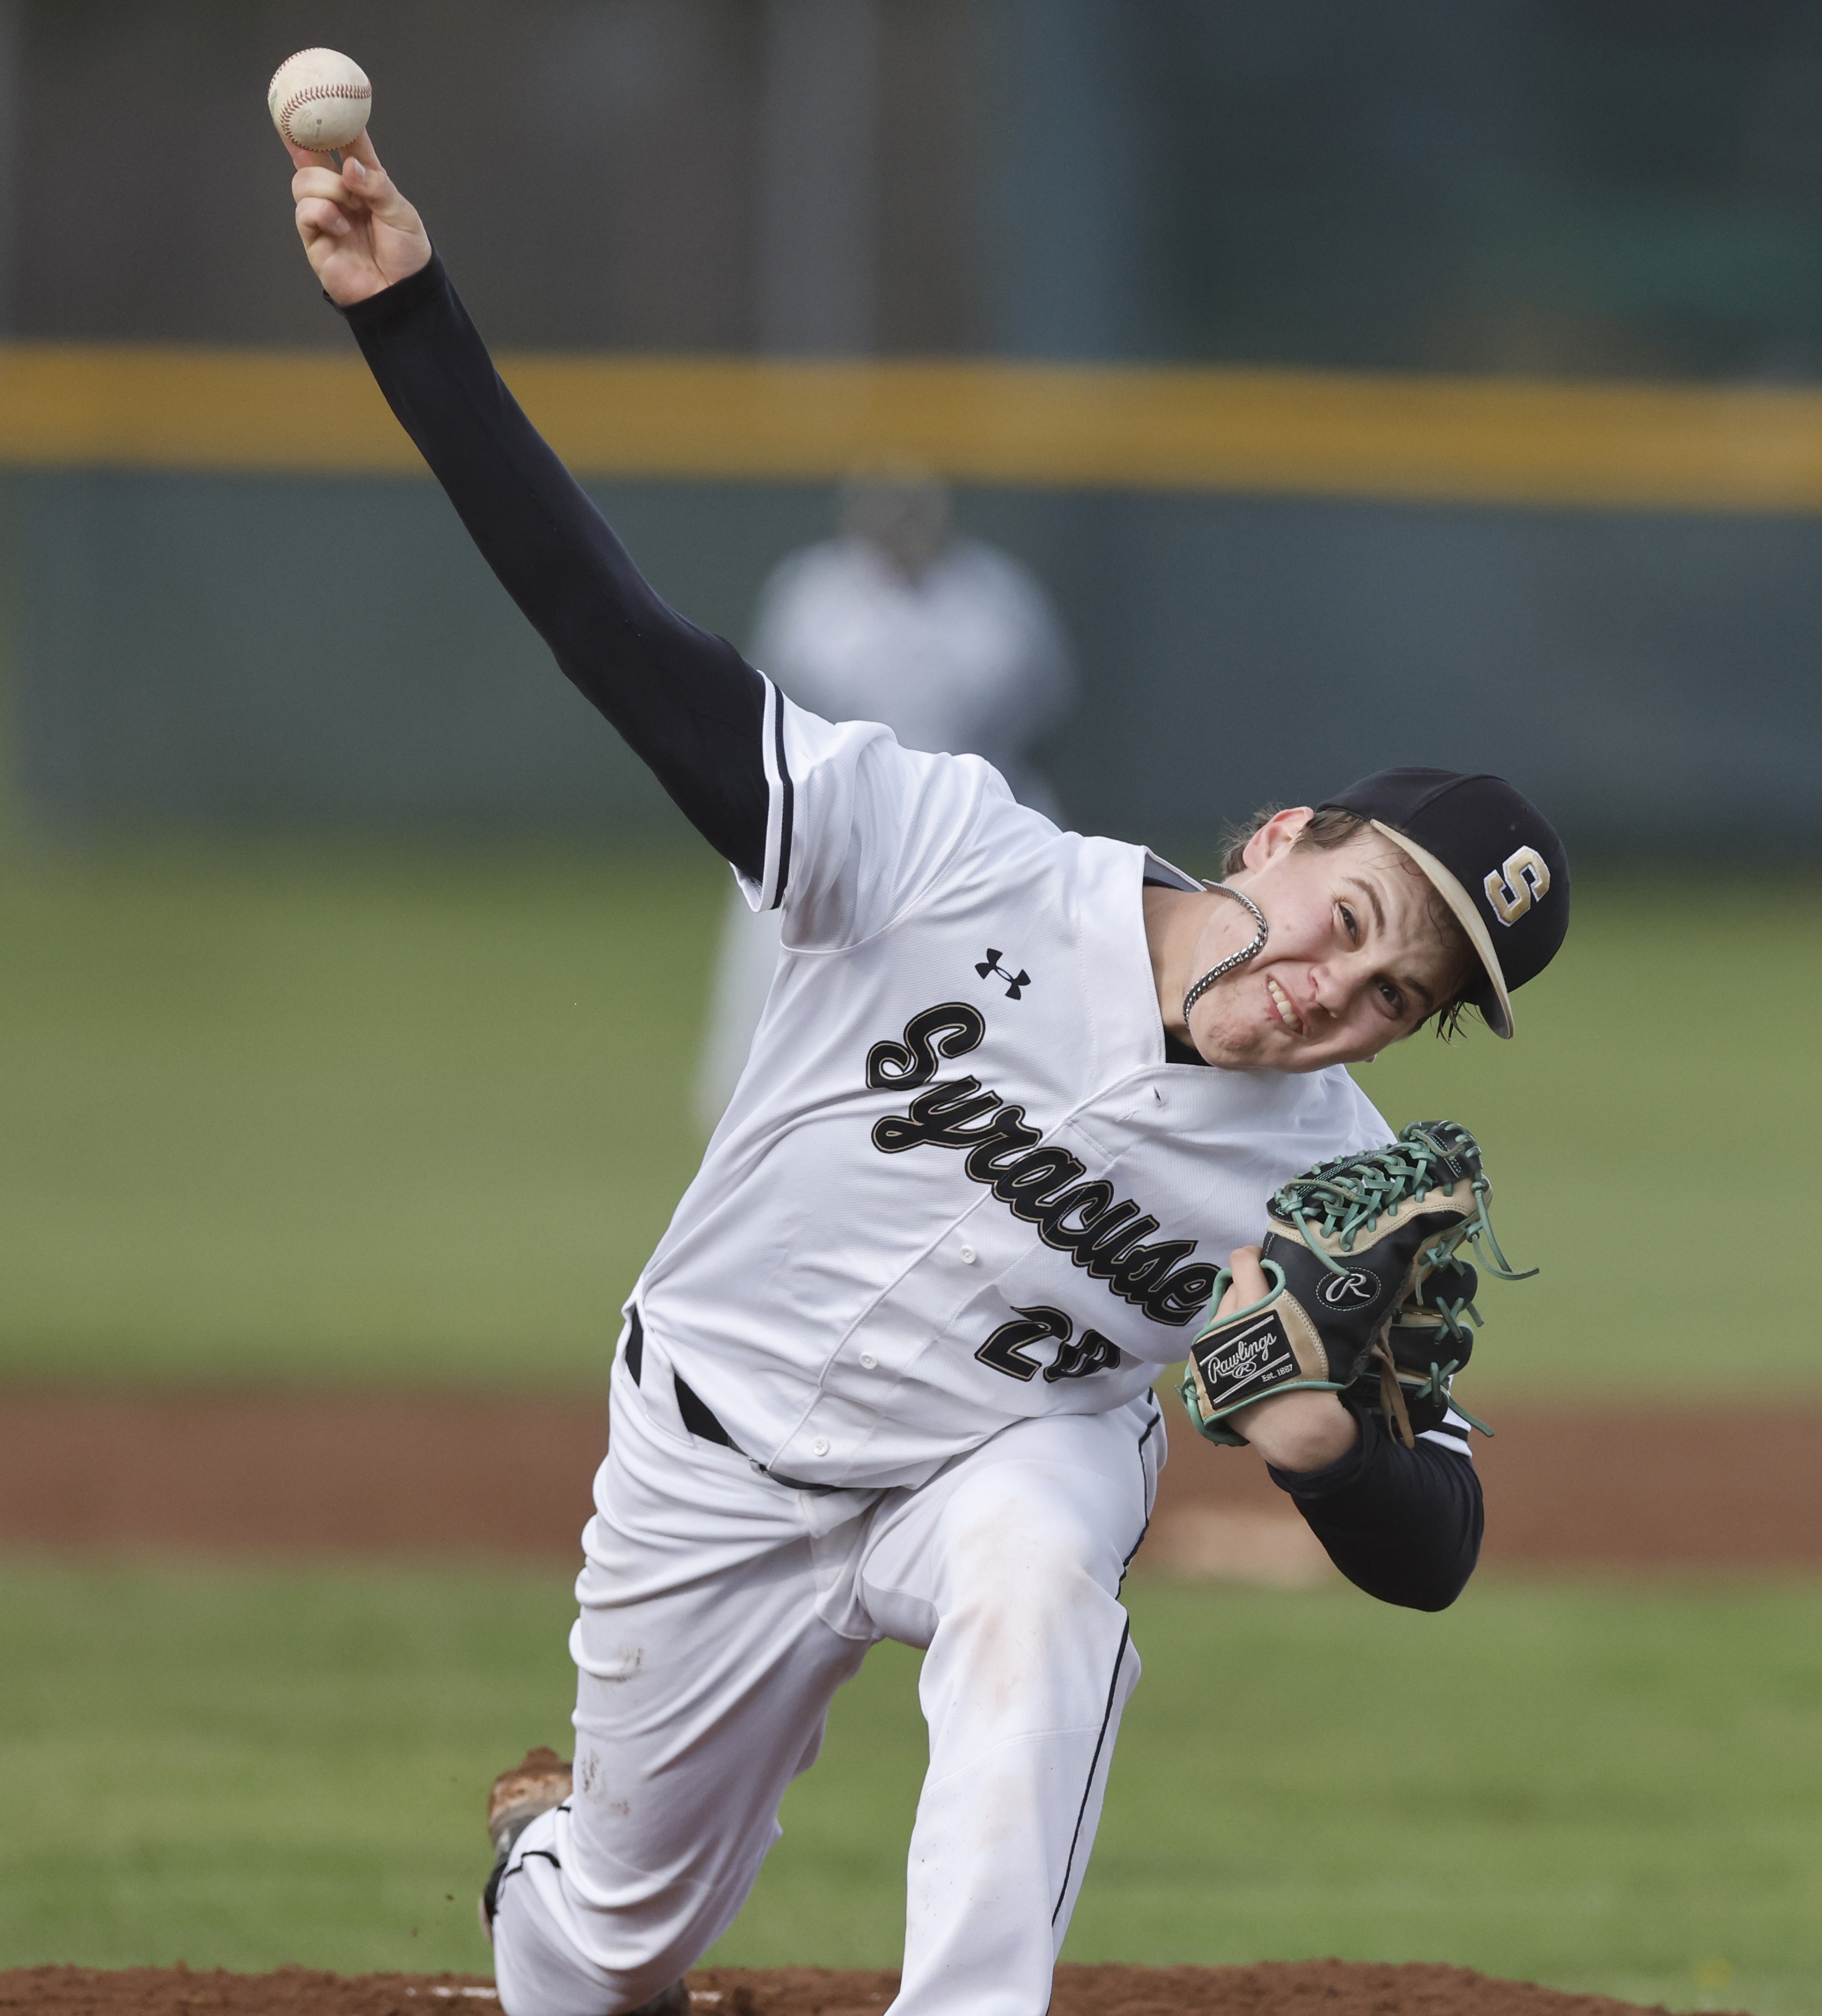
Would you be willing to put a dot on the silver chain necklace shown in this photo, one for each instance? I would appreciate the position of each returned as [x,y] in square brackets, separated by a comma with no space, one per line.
[1238,958]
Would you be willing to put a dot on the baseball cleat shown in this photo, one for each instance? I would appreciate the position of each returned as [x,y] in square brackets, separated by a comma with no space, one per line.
[674,2001]
[538,1781]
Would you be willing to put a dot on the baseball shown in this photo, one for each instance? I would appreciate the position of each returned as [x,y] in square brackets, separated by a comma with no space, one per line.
[319,99]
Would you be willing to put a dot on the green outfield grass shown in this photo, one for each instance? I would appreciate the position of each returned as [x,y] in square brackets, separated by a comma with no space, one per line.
[1597,1786]
[324,1117]
[1641,1129]
[279,1115]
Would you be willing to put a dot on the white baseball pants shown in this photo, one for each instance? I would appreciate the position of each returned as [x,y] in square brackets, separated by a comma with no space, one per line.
[720,1611]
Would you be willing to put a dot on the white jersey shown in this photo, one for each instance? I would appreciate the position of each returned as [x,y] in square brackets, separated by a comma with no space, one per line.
[958,1184]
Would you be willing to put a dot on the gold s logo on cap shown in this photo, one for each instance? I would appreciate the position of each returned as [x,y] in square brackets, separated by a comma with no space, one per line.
[1517,883]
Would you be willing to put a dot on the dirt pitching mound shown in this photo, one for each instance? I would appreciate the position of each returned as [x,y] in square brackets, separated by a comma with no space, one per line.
[1277,1987]
[1706,1488]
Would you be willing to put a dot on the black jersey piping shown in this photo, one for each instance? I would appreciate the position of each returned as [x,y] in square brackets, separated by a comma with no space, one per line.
[635,1353]
[698,1416]
[1101,1743]
[785,794]
[1156,1422]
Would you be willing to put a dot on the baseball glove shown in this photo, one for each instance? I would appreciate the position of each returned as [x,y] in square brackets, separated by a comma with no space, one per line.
[1369,1289]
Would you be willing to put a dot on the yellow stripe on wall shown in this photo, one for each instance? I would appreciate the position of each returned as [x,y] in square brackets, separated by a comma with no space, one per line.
[1281,432]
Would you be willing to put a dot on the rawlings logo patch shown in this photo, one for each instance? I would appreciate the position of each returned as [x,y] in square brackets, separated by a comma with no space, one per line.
[1259,1355]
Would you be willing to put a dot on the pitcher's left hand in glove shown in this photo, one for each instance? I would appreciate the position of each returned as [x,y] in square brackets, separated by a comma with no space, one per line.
[1366,1290]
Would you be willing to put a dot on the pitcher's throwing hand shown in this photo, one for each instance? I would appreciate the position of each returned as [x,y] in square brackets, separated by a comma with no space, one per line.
[360,235]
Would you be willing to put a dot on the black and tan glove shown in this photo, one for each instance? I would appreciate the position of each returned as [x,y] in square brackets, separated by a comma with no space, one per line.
[1368,1291]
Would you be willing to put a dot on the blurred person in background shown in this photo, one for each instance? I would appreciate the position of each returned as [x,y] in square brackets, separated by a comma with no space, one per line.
[951,644]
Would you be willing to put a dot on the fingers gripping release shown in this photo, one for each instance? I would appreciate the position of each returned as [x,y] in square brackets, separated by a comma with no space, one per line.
[1369,1288]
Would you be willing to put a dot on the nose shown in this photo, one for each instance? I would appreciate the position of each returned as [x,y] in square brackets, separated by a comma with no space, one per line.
[1336,984]
[1328,989]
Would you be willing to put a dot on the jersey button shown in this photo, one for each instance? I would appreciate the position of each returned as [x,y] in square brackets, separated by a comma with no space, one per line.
[967,1256]
[819,1446]
[868,1361]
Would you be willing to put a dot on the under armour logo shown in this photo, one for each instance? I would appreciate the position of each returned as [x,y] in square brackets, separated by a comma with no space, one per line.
[1349,1291]
[1015,983]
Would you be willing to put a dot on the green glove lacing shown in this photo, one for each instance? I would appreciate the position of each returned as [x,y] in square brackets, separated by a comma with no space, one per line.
[1337,1201]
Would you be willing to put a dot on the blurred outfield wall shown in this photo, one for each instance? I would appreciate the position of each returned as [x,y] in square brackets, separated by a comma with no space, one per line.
[230,609]
[202,649]
[241,601]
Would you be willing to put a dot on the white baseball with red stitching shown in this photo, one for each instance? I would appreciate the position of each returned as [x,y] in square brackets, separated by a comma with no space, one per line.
[319,99]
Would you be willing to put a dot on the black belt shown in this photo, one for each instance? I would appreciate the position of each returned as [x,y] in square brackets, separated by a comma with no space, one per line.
[698,1416]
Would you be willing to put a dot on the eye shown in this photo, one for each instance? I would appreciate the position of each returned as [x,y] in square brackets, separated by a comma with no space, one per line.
[1350,923]
[1393,998]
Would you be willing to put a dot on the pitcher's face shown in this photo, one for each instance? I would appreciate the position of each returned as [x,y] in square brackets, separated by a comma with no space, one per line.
[1355,957]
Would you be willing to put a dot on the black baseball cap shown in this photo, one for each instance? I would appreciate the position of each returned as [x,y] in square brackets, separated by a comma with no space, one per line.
[1492,856]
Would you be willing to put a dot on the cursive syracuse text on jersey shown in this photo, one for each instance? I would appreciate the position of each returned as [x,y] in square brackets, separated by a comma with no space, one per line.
[1042,1186]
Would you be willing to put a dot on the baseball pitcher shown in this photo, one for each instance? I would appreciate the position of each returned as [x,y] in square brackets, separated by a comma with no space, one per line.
[1018,1098]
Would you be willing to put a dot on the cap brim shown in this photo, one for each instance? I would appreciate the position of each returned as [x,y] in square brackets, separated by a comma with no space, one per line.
[1498,1010]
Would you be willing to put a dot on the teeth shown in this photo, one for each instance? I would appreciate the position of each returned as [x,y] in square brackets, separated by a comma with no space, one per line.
[1291,1018]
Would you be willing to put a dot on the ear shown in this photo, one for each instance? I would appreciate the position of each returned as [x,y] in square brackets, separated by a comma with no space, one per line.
[1279,834]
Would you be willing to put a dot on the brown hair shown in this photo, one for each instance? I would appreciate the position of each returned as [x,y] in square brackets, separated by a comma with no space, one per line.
[1331,826]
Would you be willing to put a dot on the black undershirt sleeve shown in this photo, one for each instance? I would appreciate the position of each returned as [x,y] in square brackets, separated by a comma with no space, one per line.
[686,702]
[1403,1524]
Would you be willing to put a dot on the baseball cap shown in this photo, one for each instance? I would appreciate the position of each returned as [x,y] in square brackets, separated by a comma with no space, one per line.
[1492,856]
